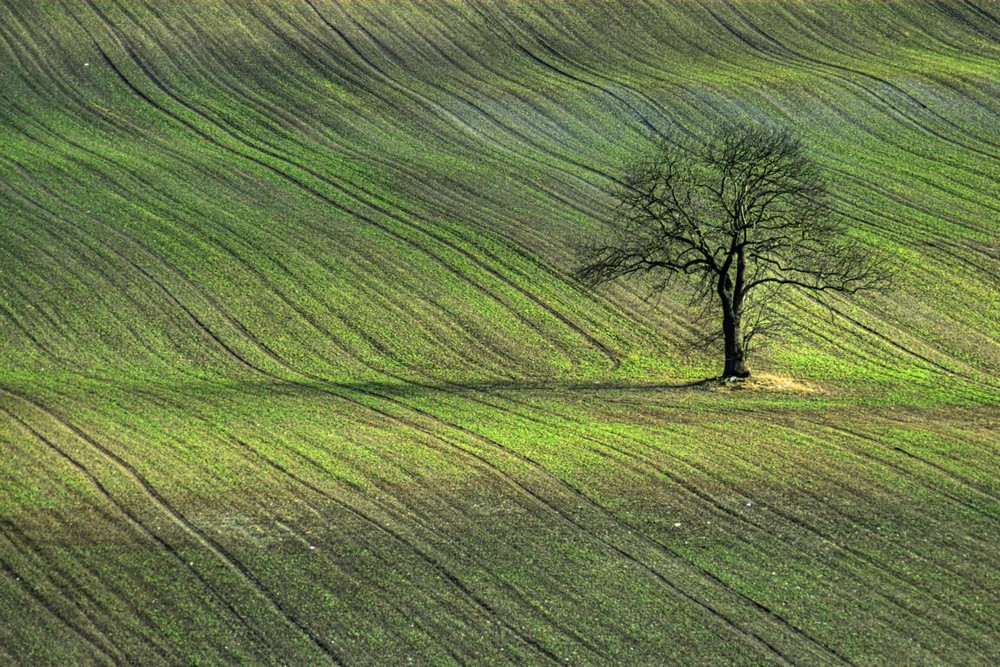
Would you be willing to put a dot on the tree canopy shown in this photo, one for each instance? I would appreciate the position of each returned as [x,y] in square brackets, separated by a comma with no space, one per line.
[747,212]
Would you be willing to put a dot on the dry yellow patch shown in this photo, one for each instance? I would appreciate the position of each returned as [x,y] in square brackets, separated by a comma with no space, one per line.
[770,382]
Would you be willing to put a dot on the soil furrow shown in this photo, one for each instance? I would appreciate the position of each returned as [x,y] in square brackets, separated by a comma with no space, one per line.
[167,510]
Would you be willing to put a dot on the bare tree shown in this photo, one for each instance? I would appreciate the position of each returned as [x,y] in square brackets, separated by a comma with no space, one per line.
[745,214]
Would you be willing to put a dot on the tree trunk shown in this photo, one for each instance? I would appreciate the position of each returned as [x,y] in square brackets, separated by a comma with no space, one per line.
[736,365]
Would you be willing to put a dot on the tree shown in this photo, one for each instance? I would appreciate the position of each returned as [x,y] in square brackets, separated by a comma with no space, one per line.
[746,213]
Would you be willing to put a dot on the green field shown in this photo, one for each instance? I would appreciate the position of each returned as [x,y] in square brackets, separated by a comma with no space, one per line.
[293,369]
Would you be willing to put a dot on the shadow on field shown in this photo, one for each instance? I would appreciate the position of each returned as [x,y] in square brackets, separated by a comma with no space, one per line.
[400,389]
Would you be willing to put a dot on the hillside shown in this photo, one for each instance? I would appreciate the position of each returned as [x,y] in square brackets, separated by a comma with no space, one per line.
[292,368]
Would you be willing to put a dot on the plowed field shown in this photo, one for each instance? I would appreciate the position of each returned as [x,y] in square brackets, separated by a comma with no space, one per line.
[293,369]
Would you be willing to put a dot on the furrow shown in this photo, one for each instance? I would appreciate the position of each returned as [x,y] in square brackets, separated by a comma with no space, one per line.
[102,652]
[167,510]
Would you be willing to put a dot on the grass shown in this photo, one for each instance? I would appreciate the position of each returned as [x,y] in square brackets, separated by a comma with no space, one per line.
[292,371]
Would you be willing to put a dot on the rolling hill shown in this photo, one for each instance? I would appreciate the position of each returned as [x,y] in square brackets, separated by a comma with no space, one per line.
[293,370]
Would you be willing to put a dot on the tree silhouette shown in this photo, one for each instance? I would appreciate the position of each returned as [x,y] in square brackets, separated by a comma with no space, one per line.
[745,214]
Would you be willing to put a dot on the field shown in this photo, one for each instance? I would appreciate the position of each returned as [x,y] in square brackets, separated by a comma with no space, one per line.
[293,369]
